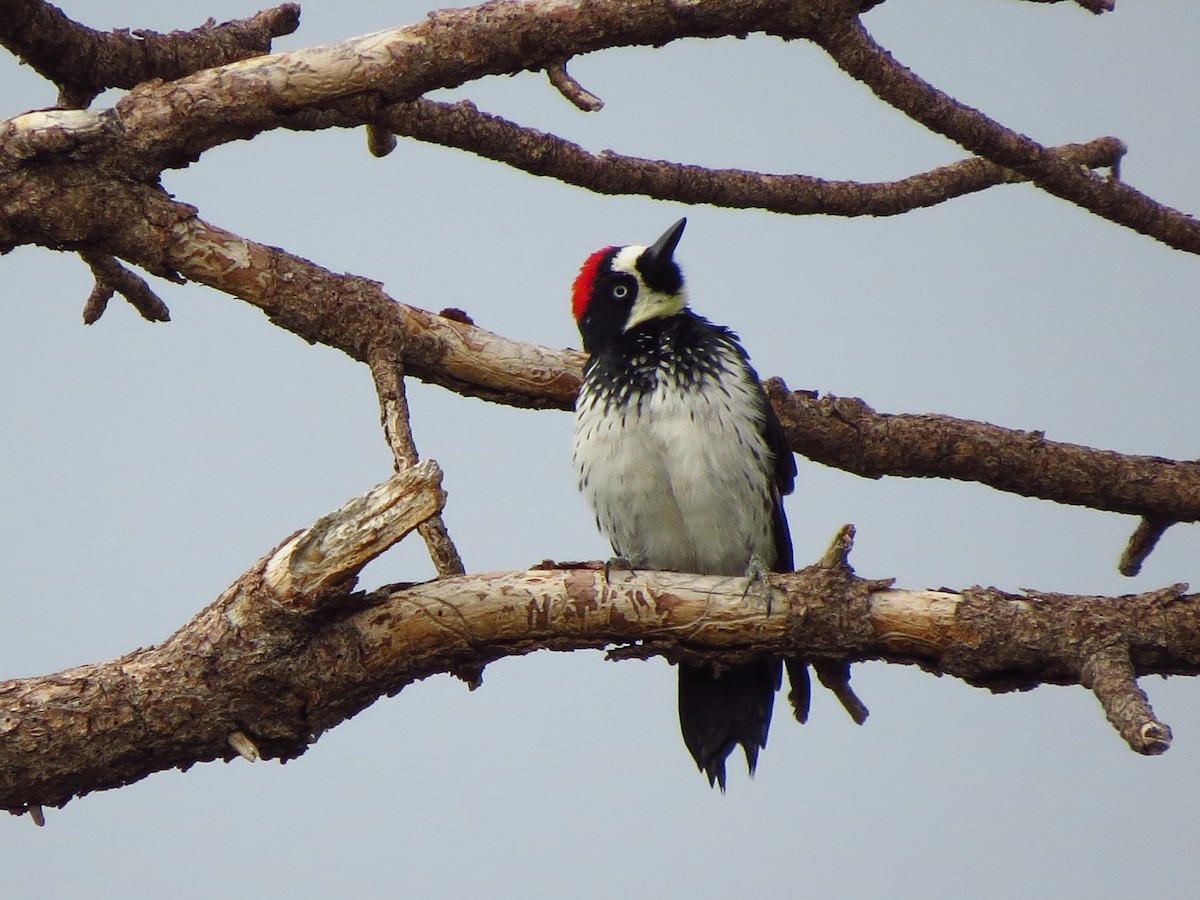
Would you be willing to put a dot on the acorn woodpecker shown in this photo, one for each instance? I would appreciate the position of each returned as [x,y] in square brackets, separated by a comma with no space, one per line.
[684,463]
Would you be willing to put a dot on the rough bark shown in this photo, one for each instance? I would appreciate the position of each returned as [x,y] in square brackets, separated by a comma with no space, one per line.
[83,62]
[290,650]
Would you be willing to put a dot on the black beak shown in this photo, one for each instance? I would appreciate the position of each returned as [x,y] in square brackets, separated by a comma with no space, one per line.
[657,266]
[662,249]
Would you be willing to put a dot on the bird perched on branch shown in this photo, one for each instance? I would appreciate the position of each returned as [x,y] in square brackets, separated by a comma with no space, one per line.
[685,465]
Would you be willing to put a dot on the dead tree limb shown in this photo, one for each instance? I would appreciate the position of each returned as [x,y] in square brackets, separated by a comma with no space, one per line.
[464,127]
[853,49]
[82,62]
[290,650]
[350,313]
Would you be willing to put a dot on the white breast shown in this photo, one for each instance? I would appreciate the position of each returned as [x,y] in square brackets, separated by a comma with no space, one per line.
[682,479]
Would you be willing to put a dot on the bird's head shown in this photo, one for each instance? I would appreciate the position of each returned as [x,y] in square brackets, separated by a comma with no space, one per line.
[619,288]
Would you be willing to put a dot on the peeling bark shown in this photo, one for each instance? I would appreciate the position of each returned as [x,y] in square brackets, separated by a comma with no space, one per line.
[289,650]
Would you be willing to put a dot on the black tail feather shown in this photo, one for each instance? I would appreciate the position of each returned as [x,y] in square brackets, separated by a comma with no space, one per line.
[719,712]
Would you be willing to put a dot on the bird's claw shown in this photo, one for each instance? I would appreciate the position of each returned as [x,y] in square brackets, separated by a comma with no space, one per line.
[758,579]
[617,562]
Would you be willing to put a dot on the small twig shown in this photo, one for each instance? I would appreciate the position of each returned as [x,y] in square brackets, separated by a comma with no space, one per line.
[837,554]
[572,89]
[834,674]
[380,141]
[441,547]
[388,373]
[36,814]
[113,278]
[1110,675]
[1142,543]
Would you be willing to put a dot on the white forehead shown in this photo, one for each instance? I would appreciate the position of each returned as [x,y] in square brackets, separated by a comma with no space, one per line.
[626,259]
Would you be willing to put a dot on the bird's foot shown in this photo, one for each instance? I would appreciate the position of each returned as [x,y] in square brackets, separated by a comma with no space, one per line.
[617,562]
[758,580]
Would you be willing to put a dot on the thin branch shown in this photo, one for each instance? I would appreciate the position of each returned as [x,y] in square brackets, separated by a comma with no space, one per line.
[464,127]
[576,93]
[847,434]
[1109,673]
[171,124]
[386,364]
[111,277]
[380,141]
[82,62]
[349,313]
[1142,543]
[853,49]
[841,432]
[835,675]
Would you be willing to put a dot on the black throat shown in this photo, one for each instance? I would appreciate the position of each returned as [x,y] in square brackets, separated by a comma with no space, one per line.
[684,349]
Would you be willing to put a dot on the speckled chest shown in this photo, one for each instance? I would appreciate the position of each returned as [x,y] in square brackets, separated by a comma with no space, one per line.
[670,451]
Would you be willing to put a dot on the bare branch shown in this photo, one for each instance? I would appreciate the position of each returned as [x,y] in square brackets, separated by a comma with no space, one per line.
[244,747]
[325,559]
[256,663]
[351,313]
[387,369]
[170,124]
[848,434]
[576,93]
[1142,543]
[1109,673]
[112,277]
[380,141]
[83,62]
[853,49]
[835,675]
[463,126]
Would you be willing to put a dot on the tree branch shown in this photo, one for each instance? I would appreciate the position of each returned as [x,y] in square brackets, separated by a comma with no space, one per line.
[464,127]
[852,48]
[845,433]
[387,369]
[111,277]
[849,435]
[350,314]
[1141,544]
[288,651]
[572,90]
[100,726]
[82,62]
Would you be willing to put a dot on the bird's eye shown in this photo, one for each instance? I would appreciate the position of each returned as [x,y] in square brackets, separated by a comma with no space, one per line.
[620,291]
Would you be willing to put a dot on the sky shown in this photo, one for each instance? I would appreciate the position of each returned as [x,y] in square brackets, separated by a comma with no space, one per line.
[144,467]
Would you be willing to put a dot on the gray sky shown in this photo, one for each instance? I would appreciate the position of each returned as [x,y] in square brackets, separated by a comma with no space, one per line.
[144,467]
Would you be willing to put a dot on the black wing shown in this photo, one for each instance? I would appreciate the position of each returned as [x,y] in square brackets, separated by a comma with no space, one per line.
[785,481]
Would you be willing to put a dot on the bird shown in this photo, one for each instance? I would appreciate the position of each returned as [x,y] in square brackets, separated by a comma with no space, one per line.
[684,463]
